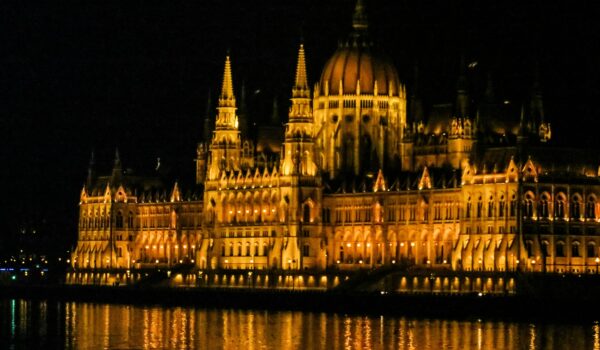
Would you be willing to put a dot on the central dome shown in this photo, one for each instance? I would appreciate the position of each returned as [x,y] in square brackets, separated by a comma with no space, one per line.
[353,63]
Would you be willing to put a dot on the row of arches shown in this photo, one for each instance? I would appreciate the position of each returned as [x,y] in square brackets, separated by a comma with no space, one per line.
[492,207]
[559,207]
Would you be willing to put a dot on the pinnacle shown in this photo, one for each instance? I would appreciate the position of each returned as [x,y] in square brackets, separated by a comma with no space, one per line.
[301,82]
[227,97]
[359,19]
[301,78]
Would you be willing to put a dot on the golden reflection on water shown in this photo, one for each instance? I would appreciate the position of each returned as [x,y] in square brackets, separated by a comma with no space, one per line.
[103,326]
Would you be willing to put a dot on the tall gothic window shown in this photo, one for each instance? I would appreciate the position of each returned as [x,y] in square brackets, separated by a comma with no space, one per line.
[575,208]
[119,222]
[490,213]
[590,208]
[306,213]
[513,205]
[543,207]
[501,206]
[559,210]
[468,208]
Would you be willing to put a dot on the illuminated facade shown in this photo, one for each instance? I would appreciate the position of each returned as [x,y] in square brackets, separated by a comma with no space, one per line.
[364,178]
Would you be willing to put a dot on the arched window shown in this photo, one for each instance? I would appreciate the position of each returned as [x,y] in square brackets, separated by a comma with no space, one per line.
[255,249]
[306,213]
[119,223]
[501,206]
[576,208]
[130,220]
[543,207]
[559,209]
[528,205]
[223,250]
[590,208]
[560,249]
[513,206]
[468,208]
[575,249]
[341,252]
[545,250]
[479,207]
[230,249]
[591,249]
[490,213]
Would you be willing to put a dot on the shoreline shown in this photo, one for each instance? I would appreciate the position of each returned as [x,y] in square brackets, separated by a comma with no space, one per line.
[420,305]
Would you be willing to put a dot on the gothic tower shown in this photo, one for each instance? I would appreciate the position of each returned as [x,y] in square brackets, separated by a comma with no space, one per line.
[226,143]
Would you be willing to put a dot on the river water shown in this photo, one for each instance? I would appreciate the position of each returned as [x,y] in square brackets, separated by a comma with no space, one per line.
[32,325]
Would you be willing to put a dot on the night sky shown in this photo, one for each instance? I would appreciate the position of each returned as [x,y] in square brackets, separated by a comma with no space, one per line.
[135,75]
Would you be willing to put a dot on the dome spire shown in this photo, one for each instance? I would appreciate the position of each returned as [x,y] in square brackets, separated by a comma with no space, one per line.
[359,19]
[301,83]
[227,99]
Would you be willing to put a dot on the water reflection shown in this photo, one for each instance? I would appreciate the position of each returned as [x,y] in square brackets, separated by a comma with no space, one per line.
[38,324]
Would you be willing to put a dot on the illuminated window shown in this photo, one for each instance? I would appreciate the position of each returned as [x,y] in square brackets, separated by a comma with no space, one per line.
[575,249]
[513,205]
[559,209]
[468,208]
[501,206]
[543,206]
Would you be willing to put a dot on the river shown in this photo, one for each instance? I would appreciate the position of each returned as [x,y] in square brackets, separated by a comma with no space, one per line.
[26,324]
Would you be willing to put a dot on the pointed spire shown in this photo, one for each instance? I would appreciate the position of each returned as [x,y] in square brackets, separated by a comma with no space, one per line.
[208,110]
[462,99]
[242,112]
[275,113]
[243,96]
[489,88]
[523,132]
[207,128]
[359,19]
[116,171]
[117,158]
[227,99]
[92,160]
[91,172]
[416,105]
[301,82]
[537,102]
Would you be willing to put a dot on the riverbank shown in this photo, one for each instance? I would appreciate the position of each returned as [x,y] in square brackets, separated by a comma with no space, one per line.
[514,307]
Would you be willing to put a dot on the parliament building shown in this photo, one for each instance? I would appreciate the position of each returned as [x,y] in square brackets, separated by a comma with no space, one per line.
[362,176]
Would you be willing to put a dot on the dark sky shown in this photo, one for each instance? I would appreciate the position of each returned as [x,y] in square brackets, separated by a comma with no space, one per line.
[135,74]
